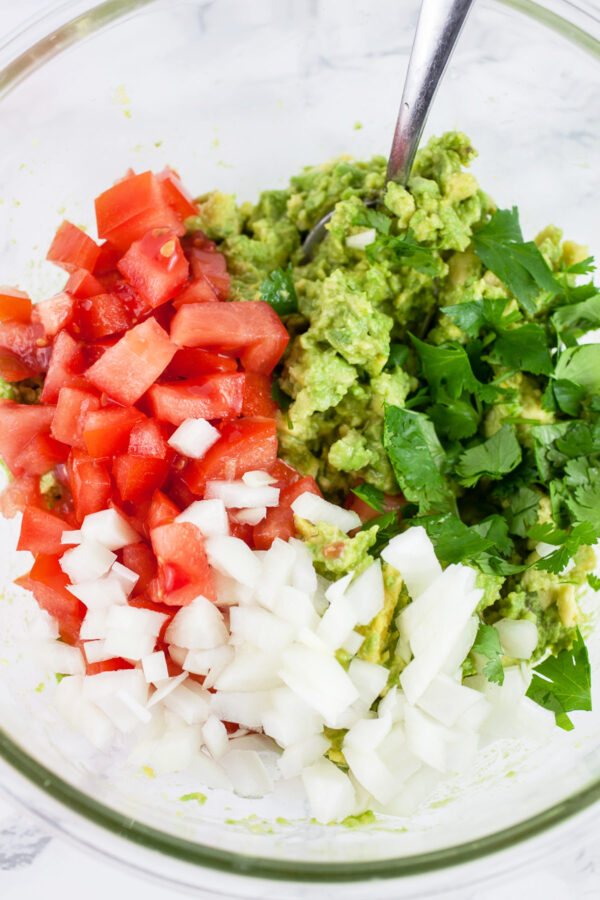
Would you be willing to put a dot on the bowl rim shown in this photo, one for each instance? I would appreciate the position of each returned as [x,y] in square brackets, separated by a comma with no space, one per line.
[44,36]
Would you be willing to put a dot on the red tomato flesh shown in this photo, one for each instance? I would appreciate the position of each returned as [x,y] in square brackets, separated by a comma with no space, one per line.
[99,316]
[182,562]
[49,585]
[54,314]
[41,454]
[207,397]
[137,477]
[14,304]
[155,266]
[65,368]
[41,532]
[257,396]
[244,445]
[81,285]
[73,249]
[72,407]
[90,485]
[19,423]
[106,431]
[191,362]
[133,206]
[141,560]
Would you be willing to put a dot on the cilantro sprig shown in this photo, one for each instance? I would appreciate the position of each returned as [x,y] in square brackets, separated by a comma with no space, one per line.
[487,642]
[562,683]
[279,292]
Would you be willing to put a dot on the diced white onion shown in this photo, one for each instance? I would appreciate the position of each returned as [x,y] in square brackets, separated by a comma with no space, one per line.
[316,510]
[518,637]
[215,737]
[366,594]
[154,667]
[257,478]
[368,678]
[199,626]
[446,700]
[337,623]
[190,705]
[295,606]
[251,516]
[247,773]
[209,516]
[243,708]
[361,240]
[86,562]
[193,438]
[166,688]
[71,537]
[108,528]
[259,627]
[319,680]
[127,578]
[249,670]
[367,734]
[330,792]
[231,556]
[412,554]
[236,494]
[95,651]
[63,658]
[304,753]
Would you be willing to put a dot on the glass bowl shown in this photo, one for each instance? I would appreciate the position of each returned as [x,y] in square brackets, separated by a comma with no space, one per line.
[239,96]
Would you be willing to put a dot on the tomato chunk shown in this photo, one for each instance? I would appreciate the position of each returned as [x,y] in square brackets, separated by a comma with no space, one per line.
[41,454]
[175,194]
[133,206]
[182,563]
[82,284]
[73,249]
[55,313]
[19,423]
[140,559]
[251,328]
[128,369]
[137,477]
[193,361]
[148,438]
[162,511]
[19,493]
[106,431]
[41,532]
[14,304]
[306,485]
[49,583]
[207,397]
[199,291]
[257,396]
[208,263]
[108,258]
[244,445]
[155,266]
[65,368]
[72,407]
[97,317]
[28,345]
[278,523]
[90,485]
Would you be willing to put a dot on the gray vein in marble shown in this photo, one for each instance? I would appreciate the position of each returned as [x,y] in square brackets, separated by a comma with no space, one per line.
[20,843]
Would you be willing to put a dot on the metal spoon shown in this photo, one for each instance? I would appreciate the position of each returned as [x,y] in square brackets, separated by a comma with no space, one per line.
[440,23]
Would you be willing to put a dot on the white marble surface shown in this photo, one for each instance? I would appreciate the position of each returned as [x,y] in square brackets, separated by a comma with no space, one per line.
[35,864]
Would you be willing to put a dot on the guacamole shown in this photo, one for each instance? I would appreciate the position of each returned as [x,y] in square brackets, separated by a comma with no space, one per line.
[489,412]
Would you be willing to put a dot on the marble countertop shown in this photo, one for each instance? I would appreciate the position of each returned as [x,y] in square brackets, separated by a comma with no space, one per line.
[34,864]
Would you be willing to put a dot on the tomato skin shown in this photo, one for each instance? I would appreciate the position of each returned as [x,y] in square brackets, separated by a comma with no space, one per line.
[140,559]
[278,523]
[106,431]
[28,343]
[257,396]
[49,583]
[65,368]
[198,291]
[137,477]
[155,266]
[244,445]
[162,511]
[73,249]
[184,572]
[217,396]
[72,407]
[82,284]
[127,369]
[19,423]
[250,328]
[108,665]
[100,316]
[41,454]
[192,361]
[133,206]
[15,305]
[41,532]
[90,484]
[175,194]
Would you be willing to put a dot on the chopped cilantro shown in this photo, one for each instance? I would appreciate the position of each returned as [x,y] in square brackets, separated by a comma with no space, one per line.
[564,395]
[518,264]
[397,356]
[562,683]
[582,365]
[279,292]
[473,315]
[593,581]
[388,525]
[493,458]
[371,495]
[582,268]
[487,642]
[573,321]
[372,218]
[567,543]
[283,400]
[524,348]
[404,251]
[522,511]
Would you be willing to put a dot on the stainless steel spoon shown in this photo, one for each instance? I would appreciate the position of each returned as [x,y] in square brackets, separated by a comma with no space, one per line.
[440,23]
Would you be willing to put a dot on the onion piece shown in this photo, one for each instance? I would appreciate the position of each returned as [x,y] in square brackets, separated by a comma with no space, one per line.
[330,792]
[210,516]
[413,555]
[166,688]
[154,667]
[86,562]
[215,737]
[238,495]
[247,773]
[302,754]
[361,240]
[259,628]
[231,556]
[251,516]
[315,510]
[199,626]
[319,680]
[108,528]
[518,637]
[366,593]
[194,438]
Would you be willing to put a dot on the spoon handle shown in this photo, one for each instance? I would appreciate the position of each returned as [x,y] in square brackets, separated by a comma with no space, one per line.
[440,23]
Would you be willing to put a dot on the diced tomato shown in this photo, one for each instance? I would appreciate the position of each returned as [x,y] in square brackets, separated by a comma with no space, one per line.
[65,368]
[155,266]
[41,532]
[133,206]
[137,477]
[100,316]
[12,368]
[106,431]
[81,285]
[211,265]
[242,531]
[366,512]
[19,423]
[199,291]
[108,665]
[207,397]
[41,454]
[148,438]
[72,407]
[141,560]
[108,257]
[251,328]
[128,369]
[73,249]
[90,484]
[175,194]
[93,351]
[28,344]
[306,485]
[19,493]
[49,585]
[182,562]
[162,511]
[14,304]
[137,307]
[54,314]
[278,523]
[284,473]
[244,445]
[178,490]
[192,361]
[257,396]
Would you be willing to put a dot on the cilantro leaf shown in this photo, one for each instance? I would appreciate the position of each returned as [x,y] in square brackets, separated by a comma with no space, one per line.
[492,458]
[564,395]
[548,457]
[455,419]
[417,457]
[524,347]
[388,525]
[473,315]
[581,364]
[279,292]
[518,264]
[397,356]
[447,369]
[567,544]
[373,218]
[571,322]
[584,502]
[487,642]
[371,495]
[522,511]
[404,251]
[582,268]
[593,581]
[283,400]
[562,683]
[453,540]
[495,528]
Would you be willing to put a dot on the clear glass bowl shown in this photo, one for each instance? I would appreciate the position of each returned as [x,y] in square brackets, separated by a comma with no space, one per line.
[238,96]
